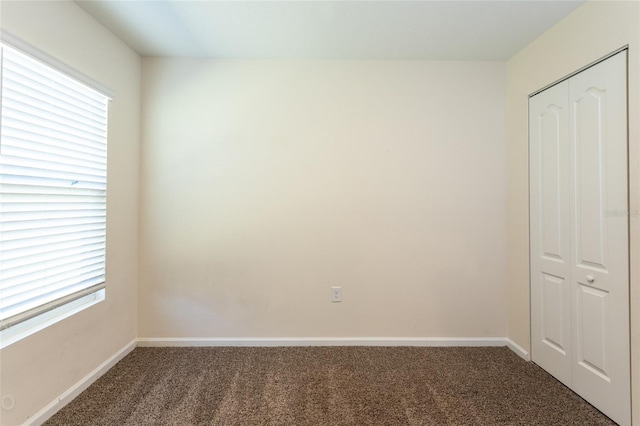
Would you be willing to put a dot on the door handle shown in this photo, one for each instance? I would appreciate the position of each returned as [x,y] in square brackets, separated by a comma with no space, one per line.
[590,279]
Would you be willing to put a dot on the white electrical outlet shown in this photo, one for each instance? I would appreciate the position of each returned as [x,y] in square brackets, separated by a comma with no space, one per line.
[336,294]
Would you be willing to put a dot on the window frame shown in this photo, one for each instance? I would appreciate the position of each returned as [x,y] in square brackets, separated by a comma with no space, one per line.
[24,324]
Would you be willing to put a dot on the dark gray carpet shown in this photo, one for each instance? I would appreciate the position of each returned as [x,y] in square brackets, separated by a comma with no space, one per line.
[327,386]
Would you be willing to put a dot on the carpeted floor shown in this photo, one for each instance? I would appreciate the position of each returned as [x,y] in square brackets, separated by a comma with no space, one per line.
[327,386]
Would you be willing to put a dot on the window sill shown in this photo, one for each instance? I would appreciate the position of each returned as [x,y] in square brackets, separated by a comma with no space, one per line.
[24,329]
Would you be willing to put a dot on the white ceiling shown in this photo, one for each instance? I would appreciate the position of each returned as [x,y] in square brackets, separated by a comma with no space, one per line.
[437,30]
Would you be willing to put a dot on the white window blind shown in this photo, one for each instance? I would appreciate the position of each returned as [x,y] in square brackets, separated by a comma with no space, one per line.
[53,181]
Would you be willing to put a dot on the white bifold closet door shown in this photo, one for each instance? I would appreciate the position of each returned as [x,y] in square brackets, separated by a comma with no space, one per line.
[580,235]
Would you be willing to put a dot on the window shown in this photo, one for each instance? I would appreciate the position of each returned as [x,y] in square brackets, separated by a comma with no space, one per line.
[53,182]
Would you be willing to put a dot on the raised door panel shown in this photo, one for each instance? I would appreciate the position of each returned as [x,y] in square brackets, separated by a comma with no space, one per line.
[590,178]
[599,239]
[550,183]
[553,301]
[550,243]
[593,311]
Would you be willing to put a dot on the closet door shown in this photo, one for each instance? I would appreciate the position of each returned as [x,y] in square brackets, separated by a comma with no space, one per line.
[579,233]
[599,237]
[550,231]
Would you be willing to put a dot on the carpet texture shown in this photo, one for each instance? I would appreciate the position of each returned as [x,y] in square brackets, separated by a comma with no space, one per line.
[327,386]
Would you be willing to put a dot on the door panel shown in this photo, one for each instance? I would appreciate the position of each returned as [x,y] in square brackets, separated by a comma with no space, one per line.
[550,232]
[590,182]
[553,303]
[550,185]
[599,239]
[592,311]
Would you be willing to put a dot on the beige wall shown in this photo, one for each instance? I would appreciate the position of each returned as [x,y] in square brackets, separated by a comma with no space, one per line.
[39,368]
[264,183]
[591,32]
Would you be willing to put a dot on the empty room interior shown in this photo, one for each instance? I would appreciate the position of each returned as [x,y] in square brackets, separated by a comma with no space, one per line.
[320,212]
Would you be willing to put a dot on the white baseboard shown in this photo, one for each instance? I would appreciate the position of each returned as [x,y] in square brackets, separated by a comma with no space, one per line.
[519,350]
[321,341]
[56,405]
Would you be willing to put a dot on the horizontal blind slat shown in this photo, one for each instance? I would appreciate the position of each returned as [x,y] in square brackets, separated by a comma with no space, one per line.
[36,221]
[11,168]
[51,238]
[44,206]
[47,182]
[37,252]
[24,132]
[37,190]
[36,69]
[10,159]
[55,282]
[16,236]
[17,90]
[50,78]
[52,111]
[47,294]
[51,82]
[55,114]
[44,146]
[21,280]
[32,198]
[60,128]
[38,258]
